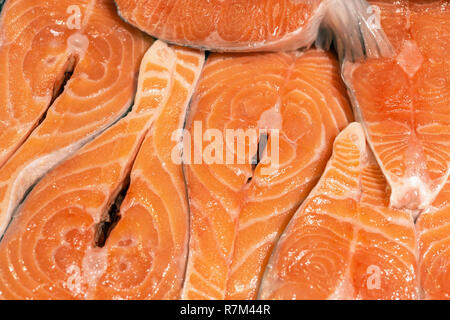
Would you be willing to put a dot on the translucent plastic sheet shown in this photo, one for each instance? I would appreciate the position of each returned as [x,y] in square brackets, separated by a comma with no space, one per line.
[353,27]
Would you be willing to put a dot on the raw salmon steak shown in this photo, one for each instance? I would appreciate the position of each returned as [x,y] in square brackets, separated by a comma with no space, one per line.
[60,245]
[259,133]
[403,100]
[42,44]
[345,242]
[433,228]
[238,25]
[147,250]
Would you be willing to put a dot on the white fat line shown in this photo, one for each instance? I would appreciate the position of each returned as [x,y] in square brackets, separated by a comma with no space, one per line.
[151,186]
[269,215]
[232,213]
[436,257]
[249,251]
[208,283]
[357,225]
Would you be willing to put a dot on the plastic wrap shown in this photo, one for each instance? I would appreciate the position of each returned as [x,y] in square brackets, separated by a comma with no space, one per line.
[353,27]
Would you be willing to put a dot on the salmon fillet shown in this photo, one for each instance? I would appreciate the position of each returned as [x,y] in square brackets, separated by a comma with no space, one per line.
[252,109]
[345,242]
[57,247]
[38,49]
[403,101]
[238,25]
[433,228]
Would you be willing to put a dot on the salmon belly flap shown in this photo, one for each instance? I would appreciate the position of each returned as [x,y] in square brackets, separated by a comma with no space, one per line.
[259,133]
[403,100]
[64,79]
[345,242]
[79,235]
